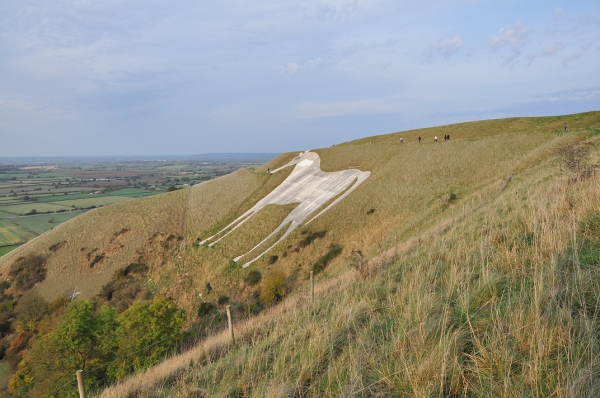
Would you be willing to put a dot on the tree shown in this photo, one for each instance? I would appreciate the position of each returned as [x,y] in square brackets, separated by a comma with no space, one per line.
[83,339]
[146,331]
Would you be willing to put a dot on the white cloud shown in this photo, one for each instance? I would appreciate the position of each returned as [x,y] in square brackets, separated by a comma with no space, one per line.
[587,93]
[292,67]
[554,48]
[551,51]
[559,14]
[371,106]
[445,47]
[513,38]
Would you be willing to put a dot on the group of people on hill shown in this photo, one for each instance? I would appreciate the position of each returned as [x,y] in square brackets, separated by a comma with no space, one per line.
[435,139]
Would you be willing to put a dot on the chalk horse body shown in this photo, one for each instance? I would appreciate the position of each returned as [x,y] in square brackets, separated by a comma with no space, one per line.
[308,186]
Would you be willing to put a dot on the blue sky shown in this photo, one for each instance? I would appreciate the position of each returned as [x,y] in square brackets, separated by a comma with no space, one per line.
[148,77]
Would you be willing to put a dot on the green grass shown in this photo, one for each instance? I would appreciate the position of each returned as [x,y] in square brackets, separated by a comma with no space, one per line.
[18,176]
[28,207]
[93,201]
[494,302]
[59,198]
[11,233]
[3,251]
[40,223]
[133,192]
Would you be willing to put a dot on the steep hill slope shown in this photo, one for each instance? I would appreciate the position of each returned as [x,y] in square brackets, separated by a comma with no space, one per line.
[447,282]
[498,297]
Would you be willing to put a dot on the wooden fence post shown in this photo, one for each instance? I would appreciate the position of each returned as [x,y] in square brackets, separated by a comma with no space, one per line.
[312,285]
[229,322]
[80,383]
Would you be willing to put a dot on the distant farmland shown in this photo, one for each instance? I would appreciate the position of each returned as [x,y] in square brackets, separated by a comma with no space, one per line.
[13,234]
[36,197]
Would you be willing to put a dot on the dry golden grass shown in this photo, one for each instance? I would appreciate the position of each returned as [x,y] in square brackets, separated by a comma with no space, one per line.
[501,300]
[493,301]
[404,192]
[97,232]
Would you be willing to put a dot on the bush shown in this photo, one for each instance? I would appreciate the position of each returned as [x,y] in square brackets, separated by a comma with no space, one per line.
[334,251]
[274,287]
[273,259]
[310,238]
[576,160]
[27,271]
[135,268]
[3,286]
[97,259]
[205,309]
[223,300]
[253,277]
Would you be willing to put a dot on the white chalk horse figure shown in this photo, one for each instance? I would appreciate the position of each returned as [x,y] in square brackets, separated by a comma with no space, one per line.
[306,185]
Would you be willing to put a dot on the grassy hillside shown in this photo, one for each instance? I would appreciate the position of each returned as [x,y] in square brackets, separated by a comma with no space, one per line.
[501,300]
[488,293]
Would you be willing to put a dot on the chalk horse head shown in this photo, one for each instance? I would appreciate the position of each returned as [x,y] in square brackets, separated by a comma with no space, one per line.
[308,186]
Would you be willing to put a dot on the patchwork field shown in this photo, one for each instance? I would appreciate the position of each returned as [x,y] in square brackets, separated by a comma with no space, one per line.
[25,208]
[93,200]
[467,268]
[12,234]
[56,188]
[133,192]
[44,222]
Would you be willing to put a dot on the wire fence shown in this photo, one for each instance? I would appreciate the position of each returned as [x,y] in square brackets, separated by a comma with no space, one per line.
[199,334]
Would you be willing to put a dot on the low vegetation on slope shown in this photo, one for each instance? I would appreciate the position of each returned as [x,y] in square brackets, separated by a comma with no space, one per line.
[455,268]
[499,300]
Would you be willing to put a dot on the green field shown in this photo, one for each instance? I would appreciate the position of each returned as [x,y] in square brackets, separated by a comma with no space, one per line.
[59,198]
[40,224]
[27,207]
[3,251]
[94,201]
[11,233]
[18,176]
[133,192]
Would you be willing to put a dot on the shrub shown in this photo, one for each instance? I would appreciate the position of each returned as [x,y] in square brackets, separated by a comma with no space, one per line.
[146,331]
[357,261]
[274,287]
[310,238]
[223,300]
[27,271]
[334,251]
[575,159]
[135,268]
[273,259]
[97,259]
[253,277]
[205,309]
[3,286]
